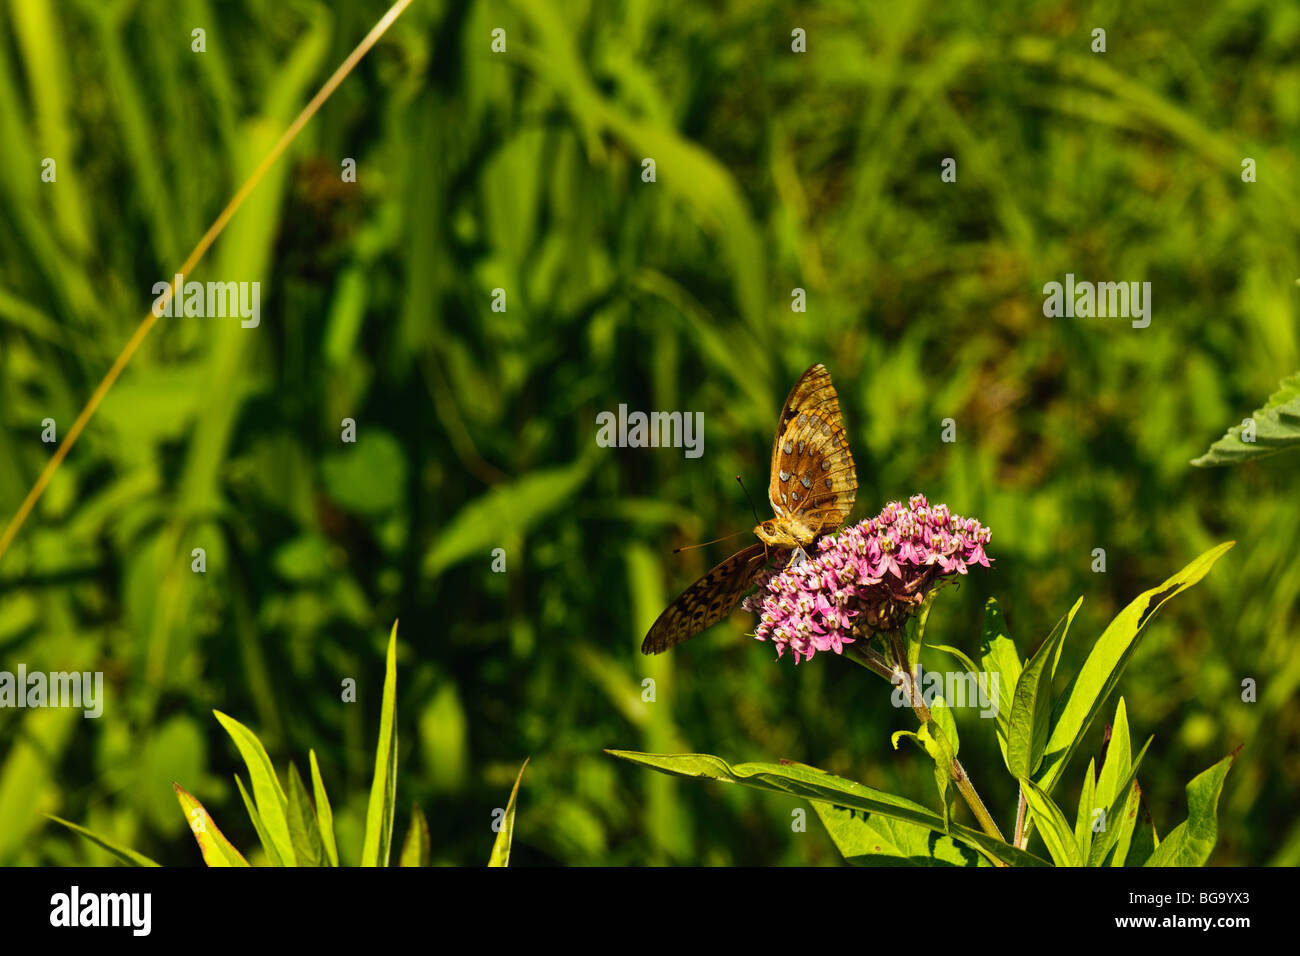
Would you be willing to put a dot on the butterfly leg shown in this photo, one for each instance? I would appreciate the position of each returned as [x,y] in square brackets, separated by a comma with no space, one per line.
[798,558]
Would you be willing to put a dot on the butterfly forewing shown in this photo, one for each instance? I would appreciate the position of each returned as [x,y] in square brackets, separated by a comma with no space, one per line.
[707,601]
[812,468]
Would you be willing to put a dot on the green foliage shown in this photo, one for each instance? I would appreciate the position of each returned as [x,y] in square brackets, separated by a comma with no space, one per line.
[506,832]
[874,828]
[521,171]
[1031,703]
[292,831]
[1273,428]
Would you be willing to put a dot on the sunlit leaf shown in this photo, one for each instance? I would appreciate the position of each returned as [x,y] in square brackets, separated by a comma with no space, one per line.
[216,849]
[505,835]
[125,854]
[1277,427]
[1192,841]
[814,784]
[383,789]
[272,804]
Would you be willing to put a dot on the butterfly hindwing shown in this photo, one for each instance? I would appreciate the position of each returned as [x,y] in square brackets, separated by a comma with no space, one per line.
[813,475]
[707,601]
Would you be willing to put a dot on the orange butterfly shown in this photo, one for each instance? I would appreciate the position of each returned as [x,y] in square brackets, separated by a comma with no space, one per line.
[811,490]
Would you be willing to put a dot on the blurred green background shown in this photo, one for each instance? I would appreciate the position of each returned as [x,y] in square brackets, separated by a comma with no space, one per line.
[476,430]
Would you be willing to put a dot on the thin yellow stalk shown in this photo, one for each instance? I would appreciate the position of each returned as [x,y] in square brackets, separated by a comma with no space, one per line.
[209,237]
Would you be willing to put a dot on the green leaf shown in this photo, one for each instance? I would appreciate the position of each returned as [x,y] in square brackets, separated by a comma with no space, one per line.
[1083,818]
[272,804]
[1191,842]
[1087,693]
[324,815]
[383,789]
[369,476]
[1124,829]
[1031,705]
[932,738]
[813,784]
[415,849]
[268,845]
[914,632]
[303,829]
[216,849]
[506,834]
[1277,427]
[998,656]
[1052,824]
[1118,759]
[125,854]
[519,505]
[868,839]
[1144,844]
[941,714]
[1124,794]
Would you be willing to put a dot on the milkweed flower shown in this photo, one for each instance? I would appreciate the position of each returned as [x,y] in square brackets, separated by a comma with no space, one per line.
[870,577]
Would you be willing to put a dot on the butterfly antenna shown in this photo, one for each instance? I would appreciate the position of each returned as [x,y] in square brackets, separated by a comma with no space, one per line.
[703,543]
[757,519]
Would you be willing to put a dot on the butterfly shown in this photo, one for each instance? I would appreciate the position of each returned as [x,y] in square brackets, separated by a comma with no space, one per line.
[811,489]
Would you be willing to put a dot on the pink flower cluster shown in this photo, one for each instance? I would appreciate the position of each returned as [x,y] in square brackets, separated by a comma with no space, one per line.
[867,578]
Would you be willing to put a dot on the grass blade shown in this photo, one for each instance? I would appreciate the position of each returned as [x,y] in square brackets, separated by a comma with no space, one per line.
[501,846]
[324,814]
[125,854]
[415,849]
[383,789]
[272,804]
[216,849]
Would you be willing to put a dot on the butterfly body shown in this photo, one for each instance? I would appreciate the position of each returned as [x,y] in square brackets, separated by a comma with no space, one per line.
[812,488]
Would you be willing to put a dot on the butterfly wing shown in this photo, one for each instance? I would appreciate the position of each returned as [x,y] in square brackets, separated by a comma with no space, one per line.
[707,601]
[812,468]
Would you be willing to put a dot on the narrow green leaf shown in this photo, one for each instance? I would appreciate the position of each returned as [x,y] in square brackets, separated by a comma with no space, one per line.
[1145,842]
[998,657]
[272,804]
[216,849]
[415,848]
[1083,817]
[1277,427]
[303,829]
[268,845]
[868,839]
[1118,758]
[1087,693]
[383,789]
[1031,704]
[1124,828]
[934,741]
[125,854]
[506,834]
[1052,825]
[813,784]
[324,815]
[1104,841]
[941,714]
[1192,841]
[914,632]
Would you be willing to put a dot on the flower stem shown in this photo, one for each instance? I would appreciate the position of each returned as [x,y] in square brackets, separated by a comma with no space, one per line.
[877,663]
[1020,821]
